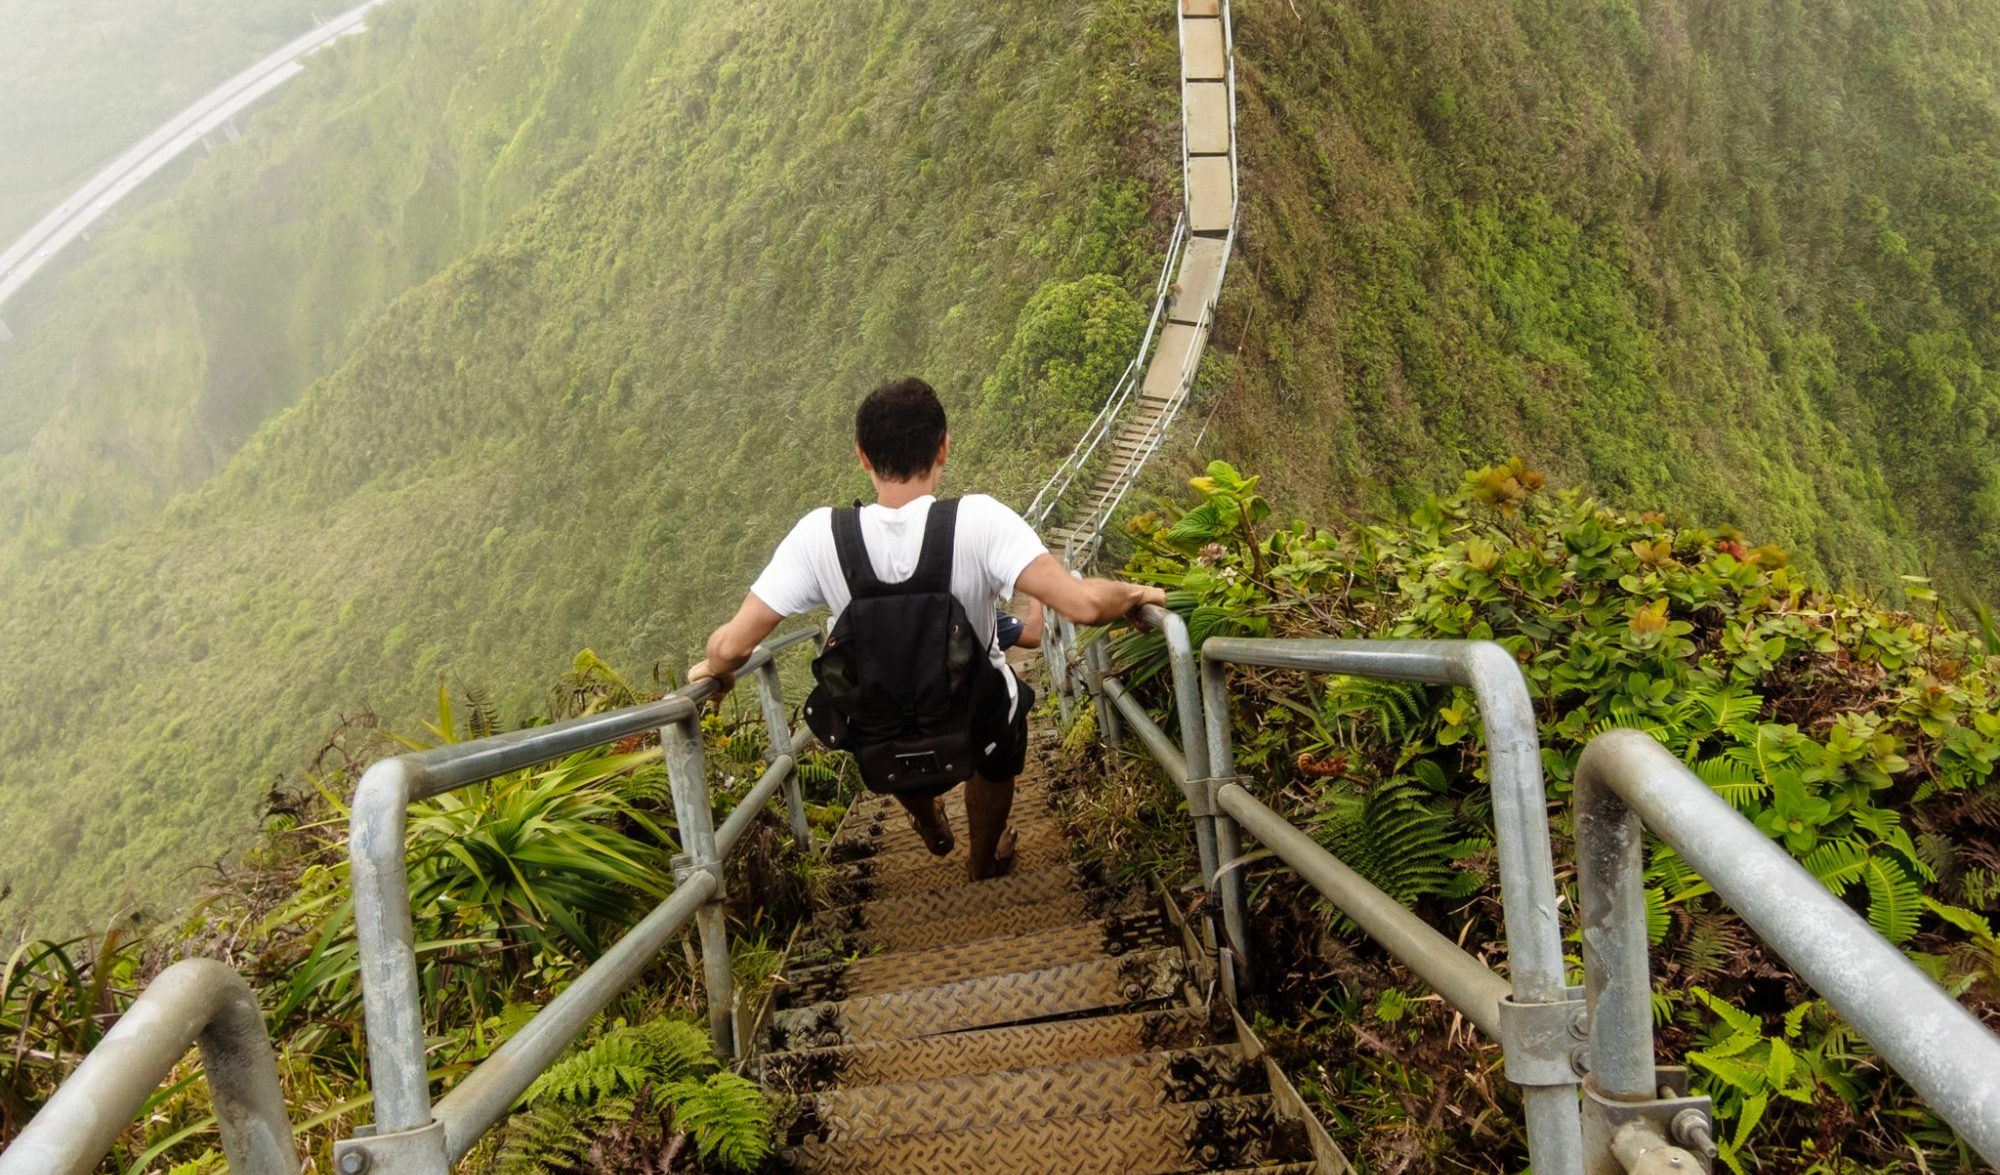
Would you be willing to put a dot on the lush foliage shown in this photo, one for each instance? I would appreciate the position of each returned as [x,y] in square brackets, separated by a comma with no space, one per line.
[1862,739]
[516,886]
[1741,259]
[643,259]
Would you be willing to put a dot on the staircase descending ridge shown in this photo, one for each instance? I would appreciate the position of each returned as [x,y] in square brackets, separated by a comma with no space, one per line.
[1209,179]
[1040,1022]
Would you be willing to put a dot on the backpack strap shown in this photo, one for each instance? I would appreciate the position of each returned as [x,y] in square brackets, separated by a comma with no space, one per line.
[854,564]
[933,573]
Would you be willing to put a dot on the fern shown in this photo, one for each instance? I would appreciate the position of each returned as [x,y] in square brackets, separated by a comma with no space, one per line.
[624,1060]
[1392,837]
[726,1116]
[1894,899]
[1838,864]
[1394,709]
[1734,780]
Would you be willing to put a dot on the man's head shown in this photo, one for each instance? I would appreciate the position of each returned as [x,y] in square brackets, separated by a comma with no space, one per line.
[900,431]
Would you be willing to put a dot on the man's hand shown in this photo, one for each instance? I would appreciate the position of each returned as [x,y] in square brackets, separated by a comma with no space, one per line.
[1148,597]
[702,671]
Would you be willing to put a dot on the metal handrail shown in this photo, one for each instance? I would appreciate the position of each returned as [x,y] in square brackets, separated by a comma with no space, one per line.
[198,1001]
[410,1136]
[1531,1017]
[1627,782]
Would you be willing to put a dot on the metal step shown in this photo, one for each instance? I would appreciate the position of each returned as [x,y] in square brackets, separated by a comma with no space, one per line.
[857,929]
[1022,888]
[1106,938]
[1017,1047]
[1019,997]
[1230,1132]
[892,833]
[1102,1085]
[864,881]
[872,859]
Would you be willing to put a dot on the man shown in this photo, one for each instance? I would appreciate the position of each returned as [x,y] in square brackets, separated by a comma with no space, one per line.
[900,436]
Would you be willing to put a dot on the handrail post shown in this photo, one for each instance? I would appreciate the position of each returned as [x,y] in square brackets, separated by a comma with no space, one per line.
[1617,976]
[194,1001]
[688,775]
[1194,731]
[1057,653]
[1096,667]
[1932,1041]
[1520,817]
[778,735]
[1225,880]
[386,938]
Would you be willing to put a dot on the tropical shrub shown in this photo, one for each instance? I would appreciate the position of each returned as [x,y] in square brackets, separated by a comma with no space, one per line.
[516,886]
[1861,738]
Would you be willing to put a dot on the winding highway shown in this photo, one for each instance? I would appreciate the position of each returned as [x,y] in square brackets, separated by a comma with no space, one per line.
[74,216]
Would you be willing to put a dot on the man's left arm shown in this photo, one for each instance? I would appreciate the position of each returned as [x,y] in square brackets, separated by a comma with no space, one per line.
[731,645]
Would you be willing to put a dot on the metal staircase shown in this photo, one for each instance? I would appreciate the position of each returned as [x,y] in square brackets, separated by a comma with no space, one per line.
[1080,498]
[1041,1022]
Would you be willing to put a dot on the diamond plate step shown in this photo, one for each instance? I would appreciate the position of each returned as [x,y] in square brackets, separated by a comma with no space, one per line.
[861,882]
[1231,1132]
[1052,946]
[857,929]
[1104,1085]
[1016,889]
[1017,1047]
[894,834]
[879,858]
[1065,990]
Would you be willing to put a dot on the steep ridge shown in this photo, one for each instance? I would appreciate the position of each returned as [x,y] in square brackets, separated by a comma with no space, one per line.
[1040,1022]
[641,381]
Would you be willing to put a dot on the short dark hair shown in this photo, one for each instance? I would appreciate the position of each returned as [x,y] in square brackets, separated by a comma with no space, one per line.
[899,427]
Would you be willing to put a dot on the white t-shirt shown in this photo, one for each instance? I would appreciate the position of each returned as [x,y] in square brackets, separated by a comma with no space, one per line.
[991,548]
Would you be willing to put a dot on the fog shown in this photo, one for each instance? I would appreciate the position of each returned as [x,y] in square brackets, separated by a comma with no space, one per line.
[81,80]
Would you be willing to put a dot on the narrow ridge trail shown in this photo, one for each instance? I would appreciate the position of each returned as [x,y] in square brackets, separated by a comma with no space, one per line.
[1040,1022]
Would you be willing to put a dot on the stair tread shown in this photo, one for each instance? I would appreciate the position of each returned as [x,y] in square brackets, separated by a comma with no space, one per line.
[863,884]
[1019,888]
[1158,1140]
[852,929]
[1103,938]
[981,1050]
[1070,1089]
[985,1002]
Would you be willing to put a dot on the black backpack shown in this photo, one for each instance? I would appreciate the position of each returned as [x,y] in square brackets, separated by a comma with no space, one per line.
[902,670]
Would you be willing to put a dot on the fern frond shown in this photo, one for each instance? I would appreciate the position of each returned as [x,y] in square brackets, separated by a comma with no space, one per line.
[1838,864]
[1392,837]
[678,1049]
[1894,899]
[1393,709]
[726,1115]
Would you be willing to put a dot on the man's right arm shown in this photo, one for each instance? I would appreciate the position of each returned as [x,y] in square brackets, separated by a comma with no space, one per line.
[1084,601]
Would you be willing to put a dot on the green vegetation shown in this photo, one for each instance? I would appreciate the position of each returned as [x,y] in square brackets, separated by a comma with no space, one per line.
[82,80]
[1863,739]
[142,369]
[501,929]
[590,427]
[1741,259]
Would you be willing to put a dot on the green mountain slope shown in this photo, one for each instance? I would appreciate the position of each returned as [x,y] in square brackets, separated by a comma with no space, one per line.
[589,429]
[142,368]
[82,80]
[1739,258]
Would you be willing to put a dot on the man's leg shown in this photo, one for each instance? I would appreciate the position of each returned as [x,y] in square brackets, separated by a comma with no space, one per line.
[988,803]
[928,818]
